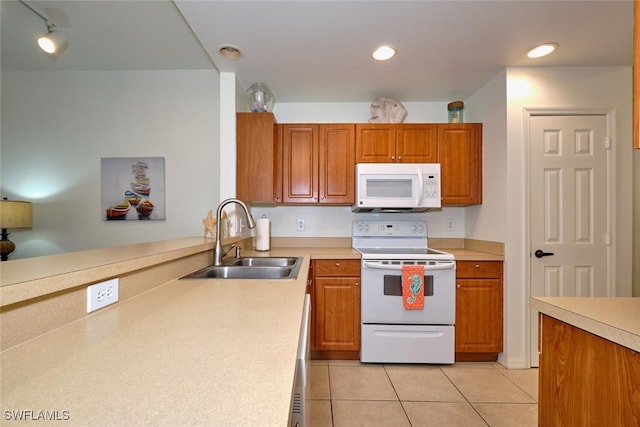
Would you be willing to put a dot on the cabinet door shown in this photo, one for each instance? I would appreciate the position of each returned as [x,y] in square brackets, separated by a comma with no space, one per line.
[478,315]
[255,157]
[460,158]
[375,143]
[636,74]
[417,143]
[300,164]
[337,164]
[337,317]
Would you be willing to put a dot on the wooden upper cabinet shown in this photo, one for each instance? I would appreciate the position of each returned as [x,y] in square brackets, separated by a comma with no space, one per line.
[255,157]
[396,143]
[460,158]
[636,74]
[417,143]
[337,164]
[375,143]
[318,163]
[300,163]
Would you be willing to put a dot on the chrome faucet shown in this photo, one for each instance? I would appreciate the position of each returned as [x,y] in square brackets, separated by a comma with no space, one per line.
[218,252]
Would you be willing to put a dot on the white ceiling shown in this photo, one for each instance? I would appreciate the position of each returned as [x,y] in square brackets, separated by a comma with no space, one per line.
[318,51]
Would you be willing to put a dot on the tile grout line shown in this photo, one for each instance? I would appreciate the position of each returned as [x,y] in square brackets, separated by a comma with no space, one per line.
[518,385]
[464,396]
[396,392]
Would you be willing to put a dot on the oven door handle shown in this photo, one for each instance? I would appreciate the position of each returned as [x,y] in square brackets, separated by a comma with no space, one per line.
[445,265]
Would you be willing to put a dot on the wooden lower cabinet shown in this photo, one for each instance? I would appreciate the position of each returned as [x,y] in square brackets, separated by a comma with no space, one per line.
[585,380]
[335,288]
[479,309]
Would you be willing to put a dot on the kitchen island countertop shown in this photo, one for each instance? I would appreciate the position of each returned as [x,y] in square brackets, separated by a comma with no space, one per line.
[615,319]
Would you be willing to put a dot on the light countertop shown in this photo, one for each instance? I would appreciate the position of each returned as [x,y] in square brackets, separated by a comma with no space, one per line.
[615,319]
[189,352]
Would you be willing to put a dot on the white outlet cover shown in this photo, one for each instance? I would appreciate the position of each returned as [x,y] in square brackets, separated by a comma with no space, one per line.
[102,294]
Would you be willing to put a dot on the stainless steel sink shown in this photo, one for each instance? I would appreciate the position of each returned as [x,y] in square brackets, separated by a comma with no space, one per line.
[264,261]
[267,268]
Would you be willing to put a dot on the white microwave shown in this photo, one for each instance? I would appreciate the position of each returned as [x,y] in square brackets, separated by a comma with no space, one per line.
[397,187]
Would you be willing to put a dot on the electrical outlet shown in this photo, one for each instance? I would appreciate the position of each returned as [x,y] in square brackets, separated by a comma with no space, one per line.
[451,224]
[102,294]
[300,224]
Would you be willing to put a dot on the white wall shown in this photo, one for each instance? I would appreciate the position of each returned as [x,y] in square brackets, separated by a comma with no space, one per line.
[57,125]
[487,105]
[560,88]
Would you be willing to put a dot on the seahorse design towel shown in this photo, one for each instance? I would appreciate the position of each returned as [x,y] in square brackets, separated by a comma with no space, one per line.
[413,287]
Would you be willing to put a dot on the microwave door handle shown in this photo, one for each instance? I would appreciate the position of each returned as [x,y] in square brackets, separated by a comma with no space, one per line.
[440,266]
[420,187]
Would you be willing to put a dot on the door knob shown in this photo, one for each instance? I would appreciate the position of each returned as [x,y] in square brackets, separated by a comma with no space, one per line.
[540,254]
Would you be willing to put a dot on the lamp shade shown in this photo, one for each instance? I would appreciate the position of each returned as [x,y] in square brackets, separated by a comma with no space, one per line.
[15,214]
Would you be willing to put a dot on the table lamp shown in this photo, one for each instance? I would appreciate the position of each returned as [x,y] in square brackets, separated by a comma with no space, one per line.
[14,215]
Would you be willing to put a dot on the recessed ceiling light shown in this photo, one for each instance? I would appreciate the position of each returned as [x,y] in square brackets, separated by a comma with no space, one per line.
[542,50]
[383,53]
[230,52]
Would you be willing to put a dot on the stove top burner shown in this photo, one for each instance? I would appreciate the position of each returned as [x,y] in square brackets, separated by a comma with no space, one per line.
[395,239]
[403,253]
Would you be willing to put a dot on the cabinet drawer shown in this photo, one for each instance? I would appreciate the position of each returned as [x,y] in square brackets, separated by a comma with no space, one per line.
[337,267]
[478,269]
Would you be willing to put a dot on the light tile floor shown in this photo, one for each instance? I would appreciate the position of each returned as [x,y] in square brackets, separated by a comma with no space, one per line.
[349,393]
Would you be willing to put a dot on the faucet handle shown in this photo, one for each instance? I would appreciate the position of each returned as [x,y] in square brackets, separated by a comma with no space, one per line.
[237,251]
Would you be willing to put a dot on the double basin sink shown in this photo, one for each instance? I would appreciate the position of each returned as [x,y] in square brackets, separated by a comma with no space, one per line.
[251,268]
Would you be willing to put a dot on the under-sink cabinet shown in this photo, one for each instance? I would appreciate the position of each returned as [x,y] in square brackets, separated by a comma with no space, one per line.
[335,290]
[479,308]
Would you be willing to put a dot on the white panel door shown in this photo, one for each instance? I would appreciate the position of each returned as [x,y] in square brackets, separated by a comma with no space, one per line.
[569,232]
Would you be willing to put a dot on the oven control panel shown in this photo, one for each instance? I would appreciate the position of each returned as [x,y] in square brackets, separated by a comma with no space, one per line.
[381,228]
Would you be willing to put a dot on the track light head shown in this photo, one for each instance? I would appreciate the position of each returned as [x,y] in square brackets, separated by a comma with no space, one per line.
[54,42]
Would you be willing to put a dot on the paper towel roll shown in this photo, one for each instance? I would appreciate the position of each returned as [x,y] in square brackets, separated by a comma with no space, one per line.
[263,234]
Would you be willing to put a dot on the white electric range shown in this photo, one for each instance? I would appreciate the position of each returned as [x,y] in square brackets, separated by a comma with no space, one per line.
[391,333]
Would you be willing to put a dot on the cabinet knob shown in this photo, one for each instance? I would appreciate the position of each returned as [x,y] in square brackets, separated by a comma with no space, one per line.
[357,284]
[477,266]
[393,157]
[337,264]
[457,286]
[399,157]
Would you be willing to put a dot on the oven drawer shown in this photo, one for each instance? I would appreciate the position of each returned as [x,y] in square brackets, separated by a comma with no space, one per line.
[337,267]
[407,344]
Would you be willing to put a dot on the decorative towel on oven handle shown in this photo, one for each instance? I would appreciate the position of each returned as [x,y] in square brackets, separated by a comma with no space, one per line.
[413,287]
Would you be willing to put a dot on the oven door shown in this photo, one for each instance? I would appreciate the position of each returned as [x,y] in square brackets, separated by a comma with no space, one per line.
[381,294]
